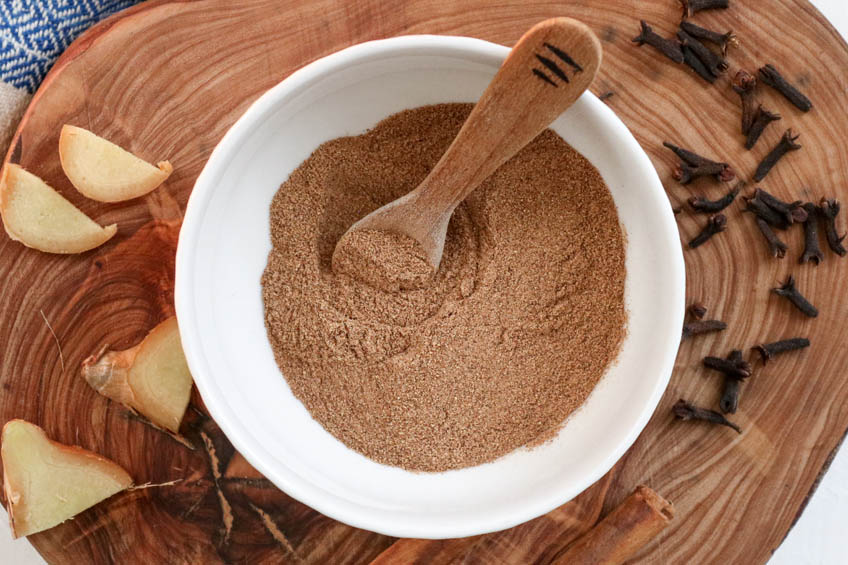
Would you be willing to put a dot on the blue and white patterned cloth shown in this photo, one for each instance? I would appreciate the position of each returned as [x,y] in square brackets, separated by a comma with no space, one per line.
[33,33]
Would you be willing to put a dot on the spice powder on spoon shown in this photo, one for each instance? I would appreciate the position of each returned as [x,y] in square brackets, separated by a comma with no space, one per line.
[497,348]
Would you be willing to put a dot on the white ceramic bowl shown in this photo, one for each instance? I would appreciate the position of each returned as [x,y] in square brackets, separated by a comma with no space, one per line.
[225,241]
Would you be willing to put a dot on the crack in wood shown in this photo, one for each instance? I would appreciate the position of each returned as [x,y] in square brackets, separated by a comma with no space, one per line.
[226,507]
[248,482]
[193,507]
[56,339]
[276,532]
[131,414]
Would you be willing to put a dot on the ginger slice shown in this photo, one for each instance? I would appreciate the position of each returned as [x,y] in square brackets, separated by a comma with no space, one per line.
[151,378]
[39,217]
[103,171]
[46,482]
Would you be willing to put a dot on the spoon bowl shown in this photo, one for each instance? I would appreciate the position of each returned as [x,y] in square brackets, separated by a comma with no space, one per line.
[547,70]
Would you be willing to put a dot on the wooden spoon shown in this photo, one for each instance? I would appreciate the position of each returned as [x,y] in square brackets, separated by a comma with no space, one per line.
[547,70]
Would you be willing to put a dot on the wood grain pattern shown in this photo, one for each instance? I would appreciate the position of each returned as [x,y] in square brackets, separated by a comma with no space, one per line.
[168,79]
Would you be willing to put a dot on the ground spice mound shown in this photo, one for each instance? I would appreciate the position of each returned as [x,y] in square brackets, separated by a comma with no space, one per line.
[388,261]
[509,337]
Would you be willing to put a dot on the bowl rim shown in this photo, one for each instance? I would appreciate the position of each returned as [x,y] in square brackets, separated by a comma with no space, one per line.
[325,502]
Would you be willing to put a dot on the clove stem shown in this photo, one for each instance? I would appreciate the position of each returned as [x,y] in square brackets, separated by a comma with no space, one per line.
[713,62]
[690,7]
[690,157]
[788,291]
[786,144]
[812,251]
[829,209]
[762,118]
[777,248]
[771,76]
[723,40]
[701,327]
[769,350]
[668,47]
[694,62]
[701,204]
[688,411]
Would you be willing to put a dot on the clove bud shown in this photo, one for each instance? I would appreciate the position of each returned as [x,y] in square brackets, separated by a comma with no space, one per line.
[744,84]
[716,224]
[698,310]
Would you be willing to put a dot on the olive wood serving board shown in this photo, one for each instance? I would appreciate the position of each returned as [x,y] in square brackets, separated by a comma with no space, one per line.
[166,79]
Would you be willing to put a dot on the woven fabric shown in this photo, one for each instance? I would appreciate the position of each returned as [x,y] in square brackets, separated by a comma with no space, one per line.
[33,33]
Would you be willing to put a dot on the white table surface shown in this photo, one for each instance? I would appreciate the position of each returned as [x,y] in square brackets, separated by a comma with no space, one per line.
[819,538]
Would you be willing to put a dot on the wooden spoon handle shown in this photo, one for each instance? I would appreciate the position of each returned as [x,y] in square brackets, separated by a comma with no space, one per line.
[547,70]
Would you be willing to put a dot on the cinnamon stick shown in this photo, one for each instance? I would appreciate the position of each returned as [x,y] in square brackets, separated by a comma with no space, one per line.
[623,532]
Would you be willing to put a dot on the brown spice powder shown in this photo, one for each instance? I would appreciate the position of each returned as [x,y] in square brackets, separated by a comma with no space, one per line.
[509,336]
[388,261]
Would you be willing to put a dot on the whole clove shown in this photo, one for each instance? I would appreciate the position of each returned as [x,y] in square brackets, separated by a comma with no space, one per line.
[716,224]
[695,165]
[688,411]
[694,62]
[730,367]
[776,247]
[729,401]
[689,157]
[690,7]
[686,173]
[786,144]
[697,310]
[723,40]
[744,84]
[769,350]
[701,327]
[792,212]
[812,251]
[701,204]
[762,118]
[765,212]
[788,291]
[714,63]
[668,47]
[770,76]
[829,209]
